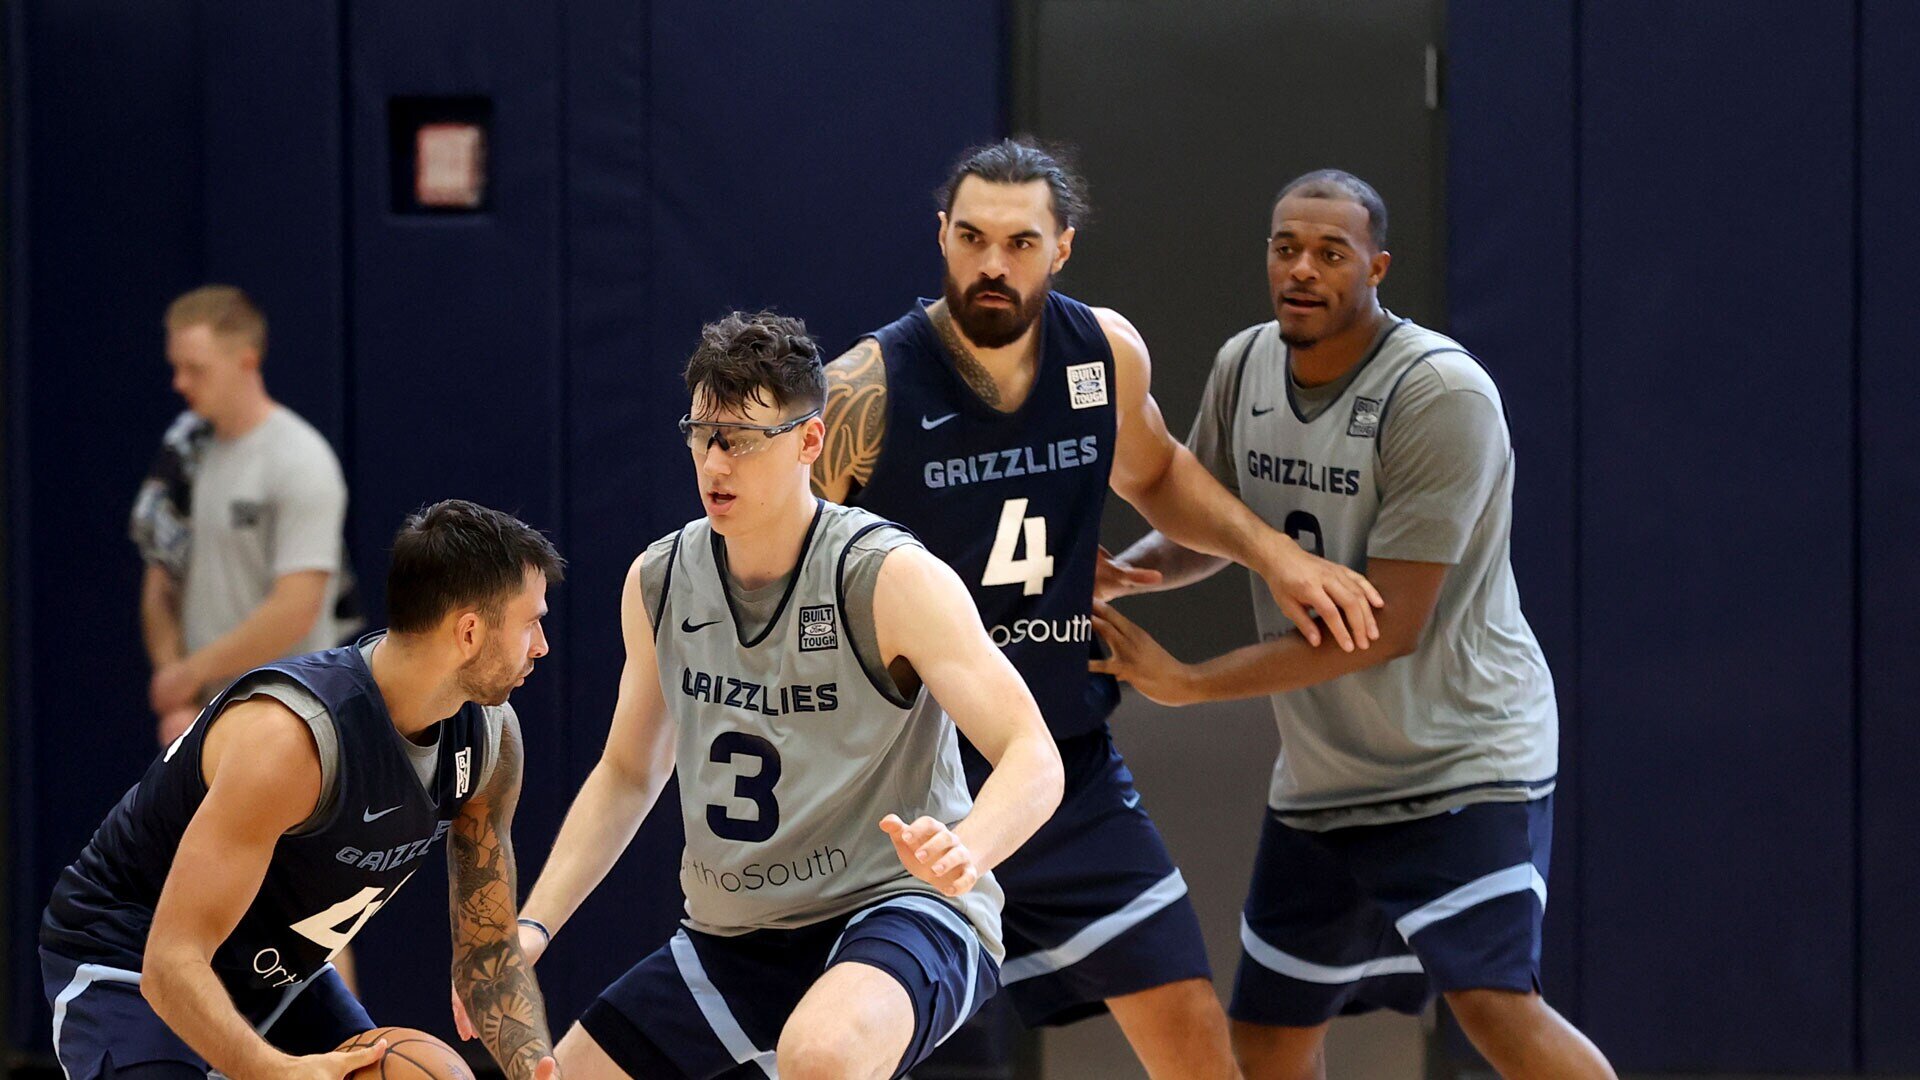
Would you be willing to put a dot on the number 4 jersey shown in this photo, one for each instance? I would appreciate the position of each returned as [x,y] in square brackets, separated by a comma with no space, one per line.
[377,822]
[1010,500]
[793,741]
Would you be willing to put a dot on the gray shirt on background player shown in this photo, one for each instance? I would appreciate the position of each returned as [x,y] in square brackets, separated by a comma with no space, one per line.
[269,503]
[1406,457]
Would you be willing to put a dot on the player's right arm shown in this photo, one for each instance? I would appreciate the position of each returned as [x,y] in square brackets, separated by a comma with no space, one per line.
[263,778]
[856,417]
[619,791]
[924,614]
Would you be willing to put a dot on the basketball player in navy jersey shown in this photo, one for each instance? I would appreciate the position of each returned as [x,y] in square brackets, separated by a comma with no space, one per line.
[992,422]
[196,928]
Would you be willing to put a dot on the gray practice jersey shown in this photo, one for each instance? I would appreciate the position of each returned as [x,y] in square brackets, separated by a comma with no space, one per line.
[791,746]
[1406,458]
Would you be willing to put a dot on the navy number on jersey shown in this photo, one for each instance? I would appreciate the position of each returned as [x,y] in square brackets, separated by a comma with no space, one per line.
[756,788]
[1305,530]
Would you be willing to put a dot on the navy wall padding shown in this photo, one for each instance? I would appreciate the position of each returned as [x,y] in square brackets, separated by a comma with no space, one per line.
[270,127]
[1889,486]
[1717,575]
[1706,484]
[1522,326]
[649,165]
[110,171]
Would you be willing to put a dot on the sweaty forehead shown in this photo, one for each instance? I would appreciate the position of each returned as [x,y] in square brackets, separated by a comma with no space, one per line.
[1321,219]
[1004,208]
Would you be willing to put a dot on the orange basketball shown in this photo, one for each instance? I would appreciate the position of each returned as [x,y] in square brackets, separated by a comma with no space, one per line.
[411,1055]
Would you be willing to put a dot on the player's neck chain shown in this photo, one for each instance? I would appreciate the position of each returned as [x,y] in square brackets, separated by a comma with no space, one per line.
[969,366]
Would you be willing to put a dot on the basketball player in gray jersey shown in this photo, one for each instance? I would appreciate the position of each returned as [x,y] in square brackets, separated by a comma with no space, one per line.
[842,917]
[1406,845]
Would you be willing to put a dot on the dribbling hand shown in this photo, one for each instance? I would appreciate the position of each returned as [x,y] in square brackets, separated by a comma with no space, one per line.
[930,852]
[337,1065]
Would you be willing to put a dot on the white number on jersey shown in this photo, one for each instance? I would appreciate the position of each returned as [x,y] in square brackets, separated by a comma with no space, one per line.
[1031,572]
[324,928]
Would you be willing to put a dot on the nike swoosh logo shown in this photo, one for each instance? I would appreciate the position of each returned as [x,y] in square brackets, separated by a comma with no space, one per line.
[1258,411]
[369,815]
[688,626]
[928,423]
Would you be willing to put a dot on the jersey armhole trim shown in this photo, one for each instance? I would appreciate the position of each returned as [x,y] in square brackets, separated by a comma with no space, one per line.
[1240,378]
[891,693]
[666,582]
[1386,406]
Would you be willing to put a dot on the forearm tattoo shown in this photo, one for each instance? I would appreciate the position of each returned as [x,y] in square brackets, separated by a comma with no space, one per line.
[856,419]
[964,361]
[493,977]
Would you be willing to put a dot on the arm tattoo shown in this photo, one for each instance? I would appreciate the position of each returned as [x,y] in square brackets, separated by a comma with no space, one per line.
[493,977]
[856,419]
[964,361]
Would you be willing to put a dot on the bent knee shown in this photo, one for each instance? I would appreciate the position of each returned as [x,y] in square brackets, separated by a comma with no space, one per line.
[824,1052]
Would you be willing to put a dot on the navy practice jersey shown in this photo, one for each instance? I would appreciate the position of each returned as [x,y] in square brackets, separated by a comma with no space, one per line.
[322,884]
[1010,500]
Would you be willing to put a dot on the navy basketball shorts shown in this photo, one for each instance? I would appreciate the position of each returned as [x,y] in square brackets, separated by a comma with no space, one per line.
[100,1021]
[1095,907]
[706,1006]
[1381,916]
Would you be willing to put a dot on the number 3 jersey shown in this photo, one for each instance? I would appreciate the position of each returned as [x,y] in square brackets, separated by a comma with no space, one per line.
[376,823]
[1408,458]
[793,741]
[1010,500]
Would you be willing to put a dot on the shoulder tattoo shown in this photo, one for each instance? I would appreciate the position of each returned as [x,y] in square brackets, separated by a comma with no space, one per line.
[856,419]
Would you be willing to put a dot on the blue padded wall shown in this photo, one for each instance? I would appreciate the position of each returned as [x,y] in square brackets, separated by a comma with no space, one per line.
[649,166]
[1889,486]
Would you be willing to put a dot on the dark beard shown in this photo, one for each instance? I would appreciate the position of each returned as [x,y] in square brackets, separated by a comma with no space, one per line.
[993,328]
[1298,341]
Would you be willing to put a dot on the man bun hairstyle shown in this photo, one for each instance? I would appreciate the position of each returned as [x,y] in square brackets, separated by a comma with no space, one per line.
[1022,161]
[457,554]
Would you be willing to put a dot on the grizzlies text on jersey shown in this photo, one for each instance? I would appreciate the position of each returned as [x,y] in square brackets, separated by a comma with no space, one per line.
[789,752]
[1010,500]
[323,883]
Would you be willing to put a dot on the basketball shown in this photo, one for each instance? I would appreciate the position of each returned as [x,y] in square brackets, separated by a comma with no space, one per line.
[411,1055]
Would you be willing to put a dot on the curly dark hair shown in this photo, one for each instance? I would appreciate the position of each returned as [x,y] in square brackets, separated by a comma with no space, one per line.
[757,358]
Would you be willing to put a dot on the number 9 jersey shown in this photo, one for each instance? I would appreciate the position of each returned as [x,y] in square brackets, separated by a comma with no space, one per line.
[1010,500]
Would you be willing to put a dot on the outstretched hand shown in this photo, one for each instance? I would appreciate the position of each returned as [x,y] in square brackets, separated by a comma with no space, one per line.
[931,852]
[1137,659]
[1112,578]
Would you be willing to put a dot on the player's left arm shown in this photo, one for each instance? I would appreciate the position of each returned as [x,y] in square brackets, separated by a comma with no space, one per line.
[1441,462]
[1181,499]
[1271,667]
[924,614]
[490,974]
